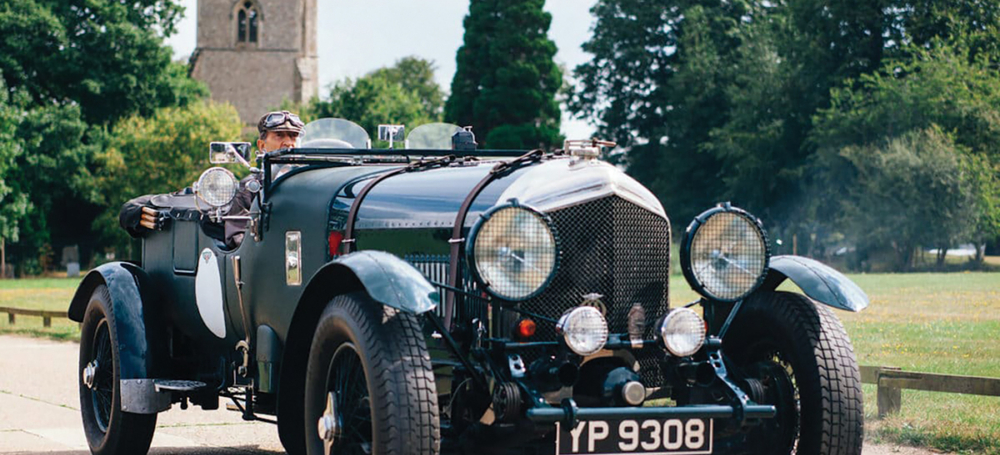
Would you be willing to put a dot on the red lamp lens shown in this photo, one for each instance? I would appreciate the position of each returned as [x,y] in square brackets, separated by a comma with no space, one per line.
[526,328]
[334,240]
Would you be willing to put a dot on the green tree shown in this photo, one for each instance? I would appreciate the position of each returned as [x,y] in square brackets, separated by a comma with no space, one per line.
[13,204]
[416,75]
[77,66]
[936,87]
[505,81]
[716,100]
[402,94]
[910,191]
[158,154]
[106,56]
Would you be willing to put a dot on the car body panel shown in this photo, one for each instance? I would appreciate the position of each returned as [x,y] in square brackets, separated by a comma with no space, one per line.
[133,303]
[818,281]
[390,280]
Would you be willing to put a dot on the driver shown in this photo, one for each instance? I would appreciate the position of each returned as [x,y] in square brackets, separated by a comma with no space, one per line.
[277,130]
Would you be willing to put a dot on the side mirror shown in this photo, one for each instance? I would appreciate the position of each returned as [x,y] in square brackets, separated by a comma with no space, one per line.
[229,152]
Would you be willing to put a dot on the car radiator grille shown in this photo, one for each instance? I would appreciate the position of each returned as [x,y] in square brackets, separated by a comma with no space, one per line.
[608,246]
[619,250]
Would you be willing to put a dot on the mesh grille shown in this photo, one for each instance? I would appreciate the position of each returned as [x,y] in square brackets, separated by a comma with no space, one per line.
[614,248]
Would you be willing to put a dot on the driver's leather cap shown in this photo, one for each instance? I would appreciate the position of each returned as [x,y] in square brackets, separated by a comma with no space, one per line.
[287,125]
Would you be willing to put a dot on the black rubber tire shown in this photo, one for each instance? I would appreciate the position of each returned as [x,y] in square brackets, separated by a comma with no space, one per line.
[109,430]
[803,336]
[399,382]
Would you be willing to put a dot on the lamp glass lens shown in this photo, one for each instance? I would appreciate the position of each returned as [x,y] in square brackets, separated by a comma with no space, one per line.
[217,187]
[584,329]
[515,253]
[728,255]
[683,332]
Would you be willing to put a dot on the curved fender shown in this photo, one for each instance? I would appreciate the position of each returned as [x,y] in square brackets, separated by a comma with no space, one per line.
[390,280]
[818,281]
[139,354]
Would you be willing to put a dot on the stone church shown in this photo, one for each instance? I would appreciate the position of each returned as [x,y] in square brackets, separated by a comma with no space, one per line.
[255,53]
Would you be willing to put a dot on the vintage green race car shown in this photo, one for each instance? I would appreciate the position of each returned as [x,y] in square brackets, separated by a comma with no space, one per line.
[437,298]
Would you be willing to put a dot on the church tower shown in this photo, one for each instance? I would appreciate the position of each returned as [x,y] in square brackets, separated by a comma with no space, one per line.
[255,53]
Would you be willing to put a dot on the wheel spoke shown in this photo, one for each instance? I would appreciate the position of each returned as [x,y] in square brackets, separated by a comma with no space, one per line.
[347,381]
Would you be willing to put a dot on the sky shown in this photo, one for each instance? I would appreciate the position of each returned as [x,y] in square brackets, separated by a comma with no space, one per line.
[356,37]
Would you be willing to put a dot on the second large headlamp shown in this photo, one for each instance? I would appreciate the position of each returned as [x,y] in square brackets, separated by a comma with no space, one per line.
[725,254]
[513,252]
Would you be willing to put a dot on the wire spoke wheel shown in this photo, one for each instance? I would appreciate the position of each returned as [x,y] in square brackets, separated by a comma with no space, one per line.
[109,430]
[103,387]
[369,387]
[793,353]
[346,380]
[766,364]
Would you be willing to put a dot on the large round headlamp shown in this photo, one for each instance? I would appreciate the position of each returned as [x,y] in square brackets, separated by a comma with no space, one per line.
[725,254]
[512,252]
[217,187]
[584,329]
[683,332]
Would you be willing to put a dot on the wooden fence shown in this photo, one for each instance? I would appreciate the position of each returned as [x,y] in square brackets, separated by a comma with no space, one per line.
[45,315]
[891,381]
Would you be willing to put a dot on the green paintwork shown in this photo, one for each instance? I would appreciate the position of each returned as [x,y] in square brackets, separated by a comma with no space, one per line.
[392,281]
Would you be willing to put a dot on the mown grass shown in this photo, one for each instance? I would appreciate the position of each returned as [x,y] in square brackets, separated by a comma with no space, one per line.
[940,323]
[51,294]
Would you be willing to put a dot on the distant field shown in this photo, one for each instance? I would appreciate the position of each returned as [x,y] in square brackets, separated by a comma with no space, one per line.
[941,323]
[51,294]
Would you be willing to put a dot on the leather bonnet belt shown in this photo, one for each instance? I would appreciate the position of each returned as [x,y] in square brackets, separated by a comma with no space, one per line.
[457,240]
[348,244]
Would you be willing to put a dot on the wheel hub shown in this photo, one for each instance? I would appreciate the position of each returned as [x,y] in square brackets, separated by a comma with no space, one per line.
[328,425]
[89,373]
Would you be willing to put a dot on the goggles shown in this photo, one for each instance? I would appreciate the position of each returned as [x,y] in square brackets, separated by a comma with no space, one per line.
[276,119]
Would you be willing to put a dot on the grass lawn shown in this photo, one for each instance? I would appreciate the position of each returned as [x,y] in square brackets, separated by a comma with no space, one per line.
[51,294]
[940,323]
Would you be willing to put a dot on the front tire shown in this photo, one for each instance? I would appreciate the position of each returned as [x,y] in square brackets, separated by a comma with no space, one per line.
[371,362]
[800,354]
[109,430]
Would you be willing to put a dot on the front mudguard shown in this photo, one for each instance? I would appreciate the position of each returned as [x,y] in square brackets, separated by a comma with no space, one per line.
[820,282]
[141,334]
[388,279]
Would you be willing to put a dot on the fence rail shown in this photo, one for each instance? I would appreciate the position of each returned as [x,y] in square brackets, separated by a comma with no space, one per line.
[891,381]
[45,315]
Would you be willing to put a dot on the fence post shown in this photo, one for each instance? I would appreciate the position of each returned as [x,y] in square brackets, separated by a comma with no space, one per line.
[10,318]
[46,321]
[890,399]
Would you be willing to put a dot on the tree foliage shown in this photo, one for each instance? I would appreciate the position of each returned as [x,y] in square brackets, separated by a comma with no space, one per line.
[106,56]
[754,102]
[505,81]
[402,94]
[158,154]
[912,190]
[13,205]
[70,69]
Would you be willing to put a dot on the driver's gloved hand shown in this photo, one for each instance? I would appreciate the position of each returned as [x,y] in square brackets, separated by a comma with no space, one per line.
[153,219]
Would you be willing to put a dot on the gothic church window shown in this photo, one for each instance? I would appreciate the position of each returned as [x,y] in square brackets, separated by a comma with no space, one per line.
[246,23]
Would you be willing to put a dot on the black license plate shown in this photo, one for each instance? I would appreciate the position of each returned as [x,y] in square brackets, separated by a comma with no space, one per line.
[638,436]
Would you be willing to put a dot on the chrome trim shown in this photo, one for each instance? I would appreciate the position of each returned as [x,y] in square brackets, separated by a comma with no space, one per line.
[560,183]
[293,258]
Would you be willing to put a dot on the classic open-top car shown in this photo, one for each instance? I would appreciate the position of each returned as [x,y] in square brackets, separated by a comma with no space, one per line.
[440,298]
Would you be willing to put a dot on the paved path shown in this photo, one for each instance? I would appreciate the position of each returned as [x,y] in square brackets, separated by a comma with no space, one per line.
[39,412]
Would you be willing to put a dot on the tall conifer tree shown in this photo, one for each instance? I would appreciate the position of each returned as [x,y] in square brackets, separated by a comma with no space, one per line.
[505,82]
